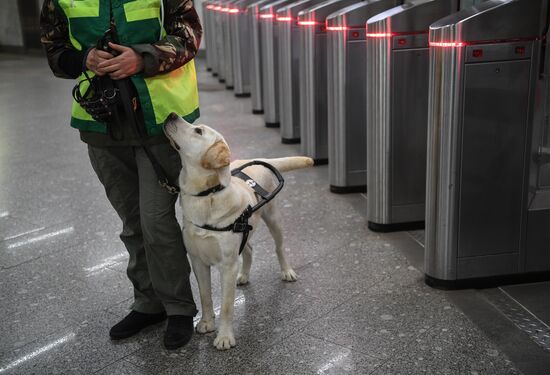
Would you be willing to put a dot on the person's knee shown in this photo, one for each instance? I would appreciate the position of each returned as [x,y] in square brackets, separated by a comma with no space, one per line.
[161,228]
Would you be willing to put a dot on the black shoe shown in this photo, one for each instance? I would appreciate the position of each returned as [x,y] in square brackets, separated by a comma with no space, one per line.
[178,331]
[133,323]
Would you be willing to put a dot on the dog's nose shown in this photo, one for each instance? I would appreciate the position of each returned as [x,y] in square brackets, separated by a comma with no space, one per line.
[171,117]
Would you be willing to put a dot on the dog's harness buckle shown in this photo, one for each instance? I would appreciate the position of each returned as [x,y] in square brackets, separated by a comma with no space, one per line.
[241,225]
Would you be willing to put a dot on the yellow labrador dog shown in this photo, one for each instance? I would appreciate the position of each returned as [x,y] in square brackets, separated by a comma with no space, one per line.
[206,163]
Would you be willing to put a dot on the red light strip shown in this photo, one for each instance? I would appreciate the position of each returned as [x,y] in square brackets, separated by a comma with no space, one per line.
[307,23]
[379,35]
[217,8]
[448,44]
[267,15]
[284,19]
[210,6]
[337,28]
[233,11]
[225,10]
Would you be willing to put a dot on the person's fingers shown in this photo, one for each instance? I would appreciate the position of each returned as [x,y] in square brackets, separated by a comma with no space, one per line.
[118,47]
[109,68]
[104,64]
[103,54]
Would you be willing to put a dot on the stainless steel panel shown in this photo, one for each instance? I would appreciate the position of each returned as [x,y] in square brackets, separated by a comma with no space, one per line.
[227,44]
[493,20]
[487,266]
[289,85]
[496,99]
[397,97]
[447,199]
[253,11]
[270,72]
[538,240]
[219,31]
[409,90]
[346,89]
[313,78]
[498,52]
[240,33]
[206,34]
[444,103]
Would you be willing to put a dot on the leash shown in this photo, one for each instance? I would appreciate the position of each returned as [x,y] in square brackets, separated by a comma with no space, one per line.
[241,225]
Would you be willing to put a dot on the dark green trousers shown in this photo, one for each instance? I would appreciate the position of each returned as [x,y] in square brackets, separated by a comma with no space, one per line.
[158,267]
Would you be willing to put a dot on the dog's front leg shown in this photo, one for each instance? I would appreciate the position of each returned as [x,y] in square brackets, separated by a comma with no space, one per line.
[202,273]
[225,339]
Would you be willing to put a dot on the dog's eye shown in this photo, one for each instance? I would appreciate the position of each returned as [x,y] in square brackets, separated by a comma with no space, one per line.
[198,131]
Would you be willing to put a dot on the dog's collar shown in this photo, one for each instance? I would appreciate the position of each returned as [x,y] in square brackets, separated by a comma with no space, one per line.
[212,190]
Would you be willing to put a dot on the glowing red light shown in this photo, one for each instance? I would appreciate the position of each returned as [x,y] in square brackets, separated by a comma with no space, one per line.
[217,8]
[307,23]
[355,34]
[210,6]
[379,35]
[284,19]
[233,11]
[225,10]
[267,15]
[337,28]
[448,44]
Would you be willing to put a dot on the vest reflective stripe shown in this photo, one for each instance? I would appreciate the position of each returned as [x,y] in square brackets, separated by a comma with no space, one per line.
[141,10]
[80,8]
[159,96]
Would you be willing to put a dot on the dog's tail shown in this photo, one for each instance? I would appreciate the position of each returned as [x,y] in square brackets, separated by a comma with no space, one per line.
[290,163]
[282,164]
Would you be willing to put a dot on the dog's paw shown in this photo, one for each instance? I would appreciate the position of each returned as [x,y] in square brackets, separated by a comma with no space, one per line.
[205,326]
[224,342]
[242,279]
[289,275]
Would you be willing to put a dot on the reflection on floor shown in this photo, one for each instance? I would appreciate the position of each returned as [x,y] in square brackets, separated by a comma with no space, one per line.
[359,307]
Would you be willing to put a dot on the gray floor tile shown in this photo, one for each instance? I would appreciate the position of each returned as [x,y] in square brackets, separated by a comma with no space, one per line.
[302,354]
[124,368]
[79,349]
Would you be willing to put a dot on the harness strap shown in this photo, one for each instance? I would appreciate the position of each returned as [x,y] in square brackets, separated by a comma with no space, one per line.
[250,182]
[241,224]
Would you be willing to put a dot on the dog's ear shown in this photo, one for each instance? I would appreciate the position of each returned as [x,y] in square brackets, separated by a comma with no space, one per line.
[217,156]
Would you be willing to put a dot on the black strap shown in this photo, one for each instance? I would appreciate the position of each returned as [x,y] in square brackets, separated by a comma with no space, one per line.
[212,190]
[241,225]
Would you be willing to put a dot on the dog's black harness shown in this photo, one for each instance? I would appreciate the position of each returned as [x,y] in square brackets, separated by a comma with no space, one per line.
[241,225]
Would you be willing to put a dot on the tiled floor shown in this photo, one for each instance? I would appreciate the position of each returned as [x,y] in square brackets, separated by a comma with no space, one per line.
[359,307]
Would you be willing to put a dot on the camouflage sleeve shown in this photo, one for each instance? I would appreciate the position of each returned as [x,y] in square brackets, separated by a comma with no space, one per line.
[183,37]
[64,60]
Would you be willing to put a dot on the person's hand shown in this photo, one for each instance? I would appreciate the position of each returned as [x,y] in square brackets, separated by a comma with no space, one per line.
[96,57]
[126,64]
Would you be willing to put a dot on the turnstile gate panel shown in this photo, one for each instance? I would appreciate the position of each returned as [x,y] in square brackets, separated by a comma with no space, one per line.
[206,8]
[253,14]
[313,78]
[346,92]
[397,110]
[240,34]
[289,70]
[484,73]
[269,48]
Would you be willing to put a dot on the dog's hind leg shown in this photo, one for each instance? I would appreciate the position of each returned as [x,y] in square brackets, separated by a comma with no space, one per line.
[226,339]
[202,273]
[244,273]
[271,217]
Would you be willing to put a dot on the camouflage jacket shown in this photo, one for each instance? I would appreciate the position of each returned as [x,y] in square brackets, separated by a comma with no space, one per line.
[180,45]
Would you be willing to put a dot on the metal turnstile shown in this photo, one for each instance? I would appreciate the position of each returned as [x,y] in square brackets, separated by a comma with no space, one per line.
[253,14]
[313,78]
[488,178]
[227,15]
[240,41]
[289,71]
[207,6]
[269,47]
[397,102]
[346,94]
[219,40]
